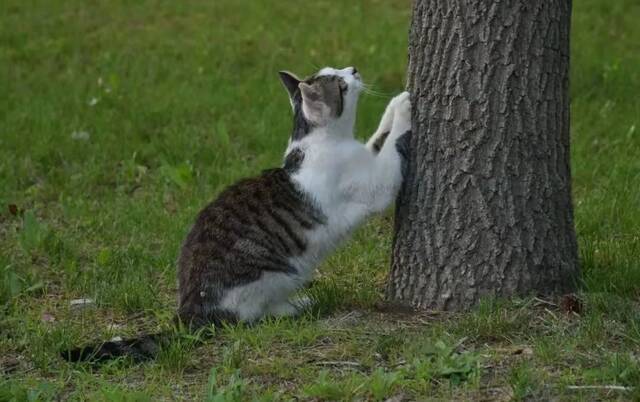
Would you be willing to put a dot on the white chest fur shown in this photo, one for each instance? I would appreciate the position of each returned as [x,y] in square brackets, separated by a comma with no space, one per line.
[333,171]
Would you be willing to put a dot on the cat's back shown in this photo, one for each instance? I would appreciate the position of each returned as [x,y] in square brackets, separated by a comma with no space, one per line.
[254,225]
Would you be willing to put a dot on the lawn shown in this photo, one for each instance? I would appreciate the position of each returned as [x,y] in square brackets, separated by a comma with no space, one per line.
[120,120]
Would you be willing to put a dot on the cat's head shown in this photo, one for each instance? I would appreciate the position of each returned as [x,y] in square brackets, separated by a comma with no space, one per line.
[327,99]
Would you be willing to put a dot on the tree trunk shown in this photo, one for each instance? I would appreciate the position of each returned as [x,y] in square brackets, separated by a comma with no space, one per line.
[485,209]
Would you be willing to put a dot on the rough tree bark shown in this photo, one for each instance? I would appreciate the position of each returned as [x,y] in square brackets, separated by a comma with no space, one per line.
[485,209]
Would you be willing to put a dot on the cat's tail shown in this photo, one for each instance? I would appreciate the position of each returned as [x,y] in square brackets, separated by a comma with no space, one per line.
[142,348]
[146,347]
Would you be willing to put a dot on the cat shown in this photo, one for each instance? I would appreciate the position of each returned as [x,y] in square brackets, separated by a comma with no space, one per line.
[260,241]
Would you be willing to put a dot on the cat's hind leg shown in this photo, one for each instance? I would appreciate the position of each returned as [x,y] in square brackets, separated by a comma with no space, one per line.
[282,309]
[290,308]
[255,300]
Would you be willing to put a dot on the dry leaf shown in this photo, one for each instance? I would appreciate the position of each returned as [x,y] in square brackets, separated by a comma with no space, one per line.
[571,303]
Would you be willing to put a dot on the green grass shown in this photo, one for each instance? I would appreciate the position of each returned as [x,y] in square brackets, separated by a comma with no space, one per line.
[119,120]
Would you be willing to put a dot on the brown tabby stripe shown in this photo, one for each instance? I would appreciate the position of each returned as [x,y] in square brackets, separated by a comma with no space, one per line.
[252,219]
[301,245]
[260,215]
[262,223]
[292,193]
[281,223]
[236,221]
[297,216]
[277,231]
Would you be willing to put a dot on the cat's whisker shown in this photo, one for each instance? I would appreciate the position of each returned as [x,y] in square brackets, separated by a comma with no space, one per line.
[368,89]
[372,92]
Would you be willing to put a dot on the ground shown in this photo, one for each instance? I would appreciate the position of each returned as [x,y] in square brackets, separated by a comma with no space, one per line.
[119,120]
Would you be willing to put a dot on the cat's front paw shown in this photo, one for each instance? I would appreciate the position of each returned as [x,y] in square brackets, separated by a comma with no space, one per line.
[401,116]
[390,111]
[395,101]
[399,99]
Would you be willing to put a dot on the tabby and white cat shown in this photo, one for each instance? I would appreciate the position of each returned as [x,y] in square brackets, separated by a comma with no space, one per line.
[260,241]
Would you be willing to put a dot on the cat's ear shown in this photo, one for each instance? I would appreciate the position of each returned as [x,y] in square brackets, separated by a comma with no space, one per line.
[314,106]
[290,82]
